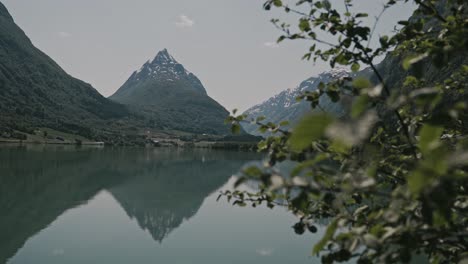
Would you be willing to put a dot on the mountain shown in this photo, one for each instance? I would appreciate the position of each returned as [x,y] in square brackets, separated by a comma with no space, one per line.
[36,92]
[285,107]
[173,97]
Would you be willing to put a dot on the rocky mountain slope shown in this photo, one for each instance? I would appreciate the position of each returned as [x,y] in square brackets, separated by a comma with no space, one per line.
[36,92]
[174,97]
[285,107]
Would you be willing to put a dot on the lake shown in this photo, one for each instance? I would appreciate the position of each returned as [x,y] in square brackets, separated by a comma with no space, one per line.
[131,205]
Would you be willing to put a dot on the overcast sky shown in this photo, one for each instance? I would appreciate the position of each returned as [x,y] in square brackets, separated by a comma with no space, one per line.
[228,44]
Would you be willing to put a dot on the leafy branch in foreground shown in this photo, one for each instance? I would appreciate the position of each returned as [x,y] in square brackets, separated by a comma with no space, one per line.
[392,176]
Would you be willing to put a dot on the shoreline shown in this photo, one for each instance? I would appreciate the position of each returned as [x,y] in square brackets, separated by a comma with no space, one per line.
[29,142]
[189,145]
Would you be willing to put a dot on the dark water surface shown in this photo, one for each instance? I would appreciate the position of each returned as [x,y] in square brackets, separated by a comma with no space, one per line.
[116,205]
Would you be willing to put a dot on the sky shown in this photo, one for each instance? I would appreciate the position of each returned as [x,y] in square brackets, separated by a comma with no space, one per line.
[230,45]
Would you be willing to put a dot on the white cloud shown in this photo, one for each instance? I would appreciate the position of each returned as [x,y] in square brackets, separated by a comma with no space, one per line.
[184,22]
[64,34]
[265,252]
[58,252]
[272,45]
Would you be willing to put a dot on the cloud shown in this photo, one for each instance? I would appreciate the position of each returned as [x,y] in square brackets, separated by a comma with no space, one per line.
[58,252]
[272,45]
[64,34]
[265,252]
[184,22]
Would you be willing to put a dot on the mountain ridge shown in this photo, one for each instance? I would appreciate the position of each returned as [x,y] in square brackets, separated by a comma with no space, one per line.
[36,92]
[158,69]
[284,105]
[173,96]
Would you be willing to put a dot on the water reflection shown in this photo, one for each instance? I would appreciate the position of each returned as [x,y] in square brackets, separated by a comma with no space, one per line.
[168,191]
[158,188]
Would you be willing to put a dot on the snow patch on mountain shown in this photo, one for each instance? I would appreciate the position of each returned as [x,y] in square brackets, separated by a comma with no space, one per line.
[285,105]
[164,66]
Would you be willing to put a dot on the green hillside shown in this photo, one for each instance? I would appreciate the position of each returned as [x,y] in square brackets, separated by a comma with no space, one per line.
[173,97]
[35,91]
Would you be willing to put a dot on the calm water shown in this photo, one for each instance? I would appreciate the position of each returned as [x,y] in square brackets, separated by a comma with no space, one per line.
[67,205]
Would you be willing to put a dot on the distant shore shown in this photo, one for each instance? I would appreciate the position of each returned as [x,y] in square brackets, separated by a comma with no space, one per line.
[47,136]
[186,145]
[31,142]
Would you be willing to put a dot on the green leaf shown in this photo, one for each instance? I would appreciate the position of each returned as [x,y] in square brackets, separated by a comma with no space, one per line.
[263,129]
[403,23]
[355,67]
[410,60]
[239,203]
[253,171]
[417,181]
[284,123]
[359,106]
[383,41]
[360,210]
[277,3]
[326,4]
[465,68]
[309,129]
[299,228]
[301,202]
[304,25]
[235,129]
[429,138]
[361,83]
[262,145]
[331,229]
[339,146]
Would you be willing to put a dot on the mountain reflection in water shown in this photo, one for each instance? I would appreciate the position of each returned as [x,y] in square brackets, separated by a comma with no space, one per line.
[160,188]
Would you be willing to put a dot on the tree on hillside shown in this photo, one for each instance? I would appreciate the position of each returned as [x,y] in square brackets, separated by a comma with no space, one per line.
[392,176]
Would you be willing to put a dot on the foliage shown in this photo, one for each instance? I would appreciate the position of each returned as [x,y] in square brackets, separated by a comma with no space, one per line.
[392,176]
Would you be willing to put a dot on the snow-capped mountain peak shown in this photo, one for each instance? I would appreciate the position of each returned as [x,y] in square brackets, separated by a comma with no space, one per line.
[164,67]
[284,106]
[338,72]
[172,98]
[164,57]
